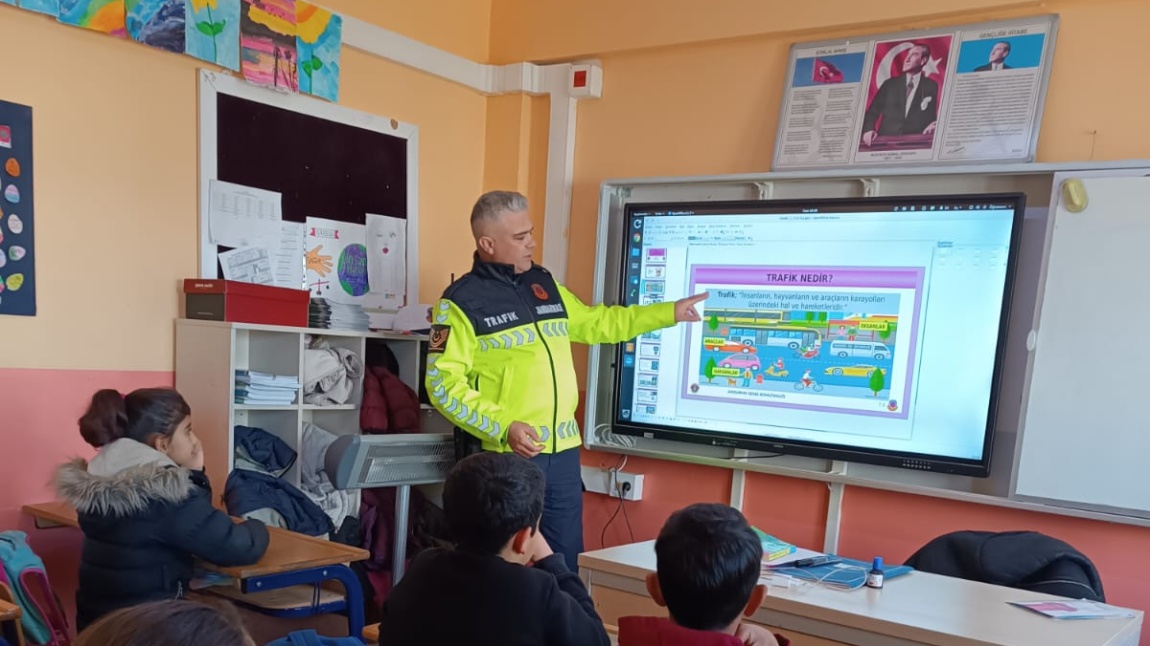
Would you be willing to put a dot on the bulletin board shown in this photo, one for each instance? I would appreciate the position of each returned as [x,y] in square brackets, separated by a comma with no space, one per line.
[17,251]
[947,96]
[325,160]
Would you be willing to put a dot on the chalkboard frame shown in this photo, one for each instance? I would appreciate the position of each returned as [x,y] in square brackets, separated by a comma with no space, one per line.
[377,157]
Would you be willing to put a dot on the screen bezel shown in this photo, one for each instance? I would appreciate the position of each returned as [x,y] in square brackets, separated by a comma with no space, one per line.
[918,461]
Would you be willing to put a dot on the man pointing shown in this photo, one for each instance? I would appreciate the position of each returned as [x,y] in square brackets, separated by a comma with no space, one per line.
[499,363]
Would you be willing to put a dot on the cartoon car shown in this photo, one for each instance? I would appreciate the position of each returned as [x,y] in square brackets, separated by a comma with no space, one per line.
[852,371]
[739,361]
[731,346]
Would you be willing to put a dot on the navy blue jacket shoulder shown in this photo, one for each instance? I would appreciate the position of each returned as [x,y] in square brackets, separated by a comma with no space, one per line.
[144,521]
[459,597]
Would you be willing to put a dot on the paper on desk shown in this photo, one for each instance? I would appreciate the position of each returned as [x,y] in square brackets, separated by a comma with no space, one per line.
[289,256]
[386,261]
[242,216]
[247,265]
[1074,609]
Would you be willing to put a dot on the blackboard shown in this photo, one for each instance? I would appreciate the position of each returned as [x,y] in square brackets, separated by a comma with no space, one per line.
[325,160]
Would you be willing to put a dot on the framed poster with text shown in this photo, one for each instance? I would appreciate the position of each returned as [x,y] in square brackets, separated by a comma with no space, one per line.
[956,95]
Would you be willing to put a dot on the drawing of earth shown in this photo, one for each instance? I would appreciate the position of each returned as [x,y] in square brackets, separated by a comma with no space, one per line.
[352,269]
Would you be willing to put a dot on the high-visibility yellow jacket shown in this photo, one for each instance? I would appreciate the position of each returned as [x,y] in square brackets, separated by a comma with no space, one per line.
[500,352]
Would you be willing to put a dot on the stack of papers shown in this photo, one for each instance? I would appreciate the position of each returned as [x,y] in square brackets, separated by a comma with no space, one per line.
[263,389]
[1070,609]
[324,314]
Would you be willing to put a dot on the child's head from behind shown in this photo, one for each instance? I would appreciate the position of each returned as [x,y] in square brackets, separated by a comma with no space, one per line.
[168,623]
[709,562]
[493,501]
[158,417]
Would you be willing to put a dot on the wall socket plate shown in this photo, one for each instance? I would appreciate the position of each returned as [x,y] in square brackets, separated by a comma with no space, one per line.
[602,481]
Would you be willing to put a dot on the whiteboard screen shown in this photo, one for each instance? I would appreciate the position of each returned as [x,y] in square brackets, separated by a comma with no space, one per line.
[1085,440]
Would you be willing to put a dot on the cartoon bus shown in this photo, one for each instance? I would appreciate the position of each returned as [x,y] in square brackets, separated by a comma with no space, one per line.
[789,337]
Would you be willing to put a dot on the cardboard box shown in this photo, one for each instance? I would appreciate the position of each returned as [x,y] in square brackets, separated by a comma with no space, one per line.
[213,299]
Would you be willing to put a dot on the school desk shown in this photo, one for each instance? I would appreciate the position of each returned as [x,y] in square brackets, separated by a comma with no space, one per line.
[916,608]
[291,559]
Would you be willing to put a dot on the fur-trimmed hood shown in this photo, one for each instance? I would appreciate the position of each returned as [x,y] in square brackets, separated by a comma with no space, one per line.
[123,479]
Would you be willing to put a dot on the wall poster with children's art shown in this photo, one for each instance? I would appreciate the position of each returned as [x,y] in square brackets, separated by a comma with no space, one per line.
[922,97]
[17,251]
[268,54]
[106,16]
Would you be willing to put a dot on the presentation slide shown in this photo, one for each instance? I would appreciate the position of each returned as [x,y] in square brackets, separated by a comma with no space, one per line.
[873,328]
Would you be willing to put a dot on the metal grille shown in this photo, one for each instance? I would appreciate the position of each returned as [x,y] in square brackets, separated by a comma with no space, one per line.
[402,464]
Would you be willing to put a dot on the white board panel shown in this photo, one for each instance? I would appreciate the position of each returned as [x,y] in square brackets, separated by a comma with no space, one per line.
[1085,441]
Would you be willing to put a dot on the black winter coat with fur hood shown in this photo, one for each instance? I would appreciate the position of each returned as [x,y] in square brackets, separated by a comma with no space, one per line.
[144,520]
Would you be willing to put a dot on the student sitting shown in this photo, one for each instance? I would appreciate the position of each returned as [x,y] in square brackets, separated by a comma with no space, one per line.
[144,504]
[168,623]
[483,592]
[708,565]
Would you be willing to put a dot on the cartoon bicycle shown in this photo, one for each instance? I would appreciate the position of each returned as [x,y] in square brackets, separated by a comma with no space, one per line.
[808,382]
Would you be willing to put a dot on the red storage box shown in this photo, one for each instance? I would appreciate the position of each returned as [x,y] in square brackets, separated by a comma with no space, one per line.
[212,299]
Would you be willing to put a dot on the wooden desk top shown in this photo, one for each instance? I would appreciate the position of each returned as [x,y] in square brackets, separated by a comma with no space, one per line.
[287,551]
[9,611]
[917,607]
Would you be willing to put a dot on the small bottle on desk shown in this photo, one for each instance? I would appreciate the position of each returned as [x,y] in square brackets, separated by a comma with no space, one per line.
[875,576]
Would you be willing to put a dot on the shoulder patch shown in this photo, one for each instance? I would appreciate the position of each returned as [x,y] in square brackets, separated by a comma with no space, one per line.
[438,338]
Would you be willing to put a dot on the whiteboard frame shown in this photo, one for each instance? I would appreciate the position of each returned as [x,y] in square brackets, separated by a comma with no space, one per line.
[212,84]
[1043,83]
[1055,198]
[614,193]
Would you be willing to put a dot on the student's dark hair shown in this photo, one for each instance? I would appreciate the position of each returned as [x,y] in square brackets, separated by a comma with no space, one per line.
[140,415]
[708,562]
[168,623]
[490,496]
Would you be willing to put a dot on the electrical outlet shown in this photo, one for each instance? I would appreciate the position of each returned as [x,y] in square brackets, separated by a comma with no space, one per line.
[609,483]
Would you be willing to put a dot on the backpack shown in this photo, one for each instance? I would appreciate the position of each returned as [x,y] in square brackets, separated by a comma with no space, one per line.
[312,638]
[22,570]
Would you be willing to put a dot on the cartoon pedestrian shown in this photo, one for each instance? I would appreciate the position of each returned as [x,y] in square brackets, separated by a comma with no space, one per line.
[746,377]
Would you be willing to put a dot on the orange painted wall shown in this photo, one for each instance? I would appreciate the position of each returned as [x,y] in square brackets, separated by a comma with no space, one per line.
[116,188]
[680,101]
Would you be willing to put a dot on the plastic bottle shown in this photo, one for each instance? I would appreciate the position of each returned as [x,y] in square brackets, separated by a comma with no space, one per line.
[875,576]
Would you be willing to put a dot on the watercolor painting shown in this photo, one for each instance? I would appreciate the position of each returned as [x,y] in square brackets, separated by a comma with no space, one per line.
[213,31]
[158,23]
[319,37]
[105,16]
[50,7]
[268,43]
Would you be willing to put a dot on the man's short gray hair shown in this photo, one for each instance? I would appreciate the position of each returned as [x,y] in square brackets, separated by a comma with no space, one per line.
[493,204]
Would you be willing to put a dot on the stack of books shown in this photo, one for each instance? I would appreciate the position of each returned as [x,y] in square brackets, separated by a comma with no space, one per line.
[325,315]
[263,389]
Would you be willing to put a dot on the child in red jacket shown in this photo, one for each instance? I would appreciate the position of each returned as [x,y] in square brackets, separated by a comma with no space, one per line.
[708,562]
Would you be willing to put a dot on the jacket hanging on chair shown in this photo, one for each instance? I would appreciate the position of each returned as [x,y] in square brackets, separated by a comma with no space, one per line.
[1024,560]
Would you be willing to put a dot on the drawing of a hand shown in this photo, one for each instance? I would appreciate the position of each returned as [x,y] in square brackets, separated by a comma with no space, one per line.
[317,263]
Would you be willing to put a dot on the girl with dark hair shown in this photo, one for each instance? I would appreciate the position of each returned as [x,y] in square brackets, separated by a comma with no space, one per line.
[168,623]
[144,504]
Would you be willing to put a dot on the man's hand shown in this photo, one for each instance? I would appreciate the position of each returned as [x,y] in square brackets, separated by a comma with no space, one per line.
[685,311]
[752,635]
[523,440]
[868,137]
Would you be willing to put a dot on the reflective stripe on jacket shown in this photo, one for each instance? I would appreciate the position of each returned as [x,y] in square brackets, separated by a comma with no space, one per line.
[500,352]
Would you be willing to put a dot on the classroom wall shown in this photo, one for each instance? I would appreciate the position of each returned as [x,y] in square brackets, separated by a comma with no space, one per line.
[116,197]
[674,106]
